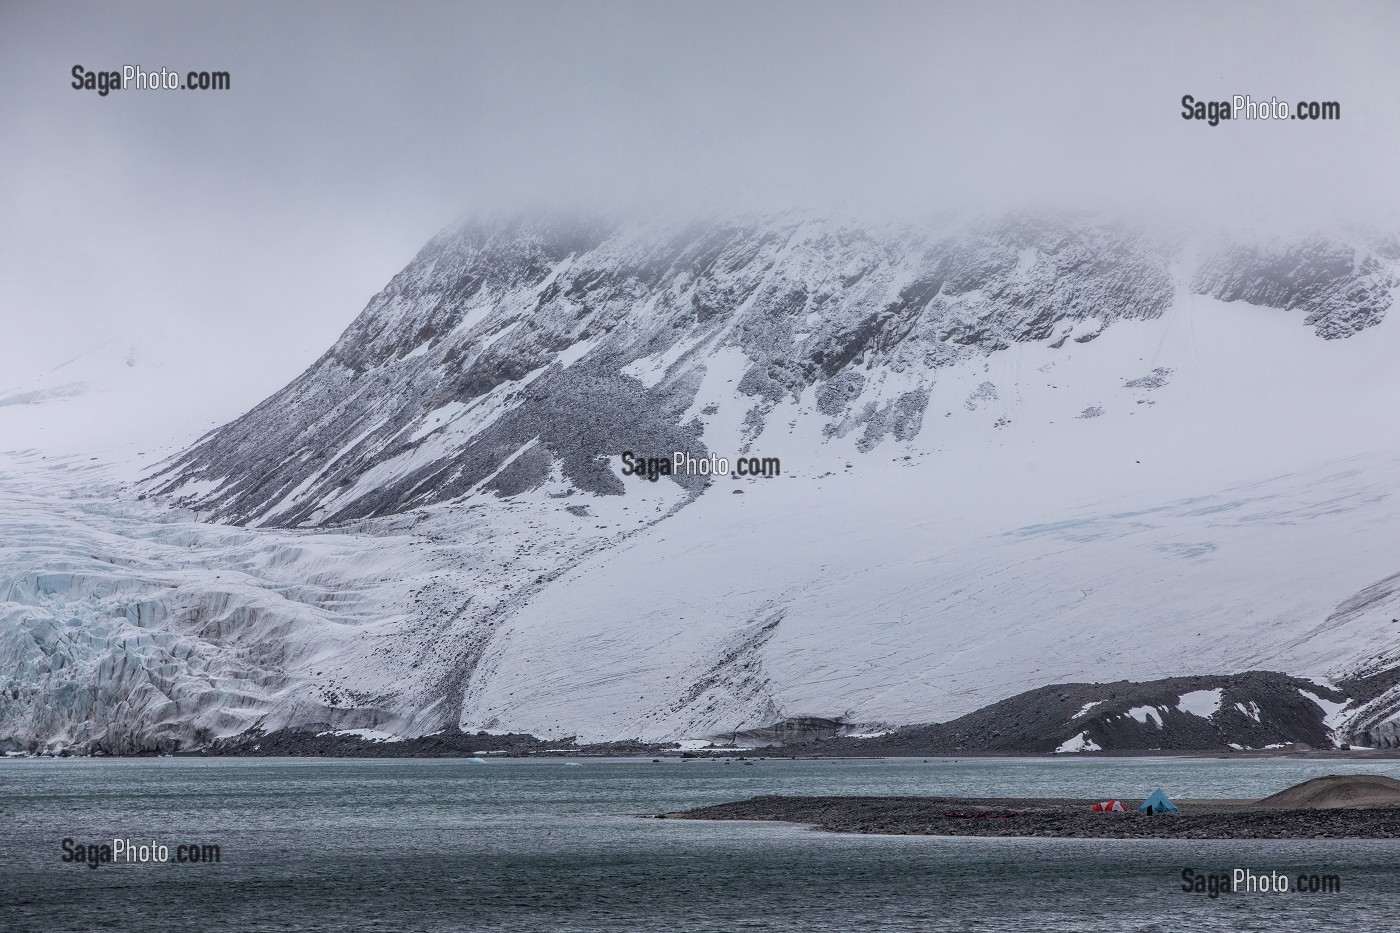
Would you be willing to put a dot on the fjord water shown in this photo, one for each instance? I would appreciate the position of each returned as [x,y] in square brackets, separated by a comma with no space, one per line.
[437,845]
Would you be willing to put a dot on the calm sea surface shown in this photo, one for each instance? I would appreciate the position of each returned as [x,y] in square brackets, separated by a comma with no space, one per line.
[339,845]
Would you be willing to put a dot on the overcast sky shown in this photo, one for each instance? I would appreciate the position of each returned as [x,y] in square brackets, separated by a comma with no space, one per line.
[232,235]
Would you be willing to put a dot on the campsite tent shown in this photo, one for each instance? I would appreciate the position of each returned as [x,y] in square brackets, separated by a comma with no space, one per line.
[1109,806]
[1157,802]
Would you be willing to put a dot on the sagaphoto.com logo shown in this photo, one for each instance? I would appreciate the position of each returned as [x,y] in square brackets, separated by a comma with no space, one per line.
[139,852]
[134,77]
[1243,107]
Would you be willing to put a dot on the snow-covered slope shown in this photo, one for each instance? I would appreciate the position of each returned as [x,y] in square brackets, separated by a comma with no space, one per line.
[1013,453]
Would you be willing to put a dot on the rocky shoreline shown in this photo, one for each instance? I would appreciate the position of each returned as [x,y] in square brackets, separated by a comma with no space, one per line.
[1056,818]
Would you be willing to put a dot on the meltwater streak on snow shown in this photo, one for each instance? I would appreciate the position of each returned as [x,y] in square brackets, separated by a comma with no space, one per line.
[1226,506]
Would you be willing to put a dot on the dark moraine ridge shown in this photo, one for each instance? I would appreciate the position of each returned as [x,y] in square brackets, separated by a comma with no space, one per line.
[300,743]
[1283,711]
[1054,817]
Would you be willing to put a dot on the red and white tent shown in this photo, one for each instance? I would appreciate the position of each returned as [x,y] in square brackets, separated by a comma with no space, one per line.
[1109,806]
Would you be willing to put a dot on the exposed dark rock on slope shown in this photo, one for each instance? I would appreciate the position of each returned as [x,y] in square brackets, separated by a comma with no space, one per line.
[1340,290]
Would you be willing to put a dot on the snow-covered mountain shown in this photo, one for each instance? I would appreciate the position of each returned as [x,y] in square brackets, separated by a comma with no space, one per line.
[1014,452]
[502,352]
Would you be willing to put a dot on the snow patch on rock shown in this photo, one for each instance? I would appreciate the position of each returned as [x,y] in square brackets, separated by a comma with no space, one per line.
[1080,743]
[1202,703]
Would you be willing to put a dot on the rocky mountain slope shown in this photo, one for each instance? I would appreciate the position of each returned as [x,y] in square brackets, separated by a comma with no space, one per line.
[1014,452]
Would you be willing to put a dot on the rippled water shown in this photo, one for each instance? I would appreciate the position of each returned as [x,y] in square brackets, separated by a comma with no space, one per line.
[542,845]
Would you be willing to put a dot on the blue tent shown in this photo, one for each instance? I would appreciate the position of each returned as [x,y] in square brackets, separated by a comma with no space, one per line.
[1157,802]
